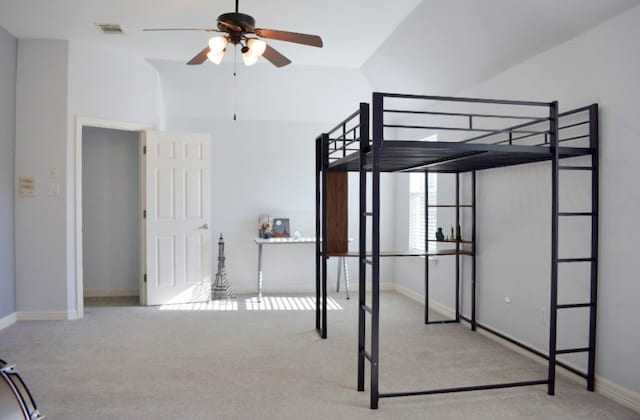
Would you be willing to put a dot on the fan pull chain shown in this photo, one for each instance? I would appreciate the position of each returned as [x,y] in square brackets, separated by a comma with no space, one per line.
[235,82]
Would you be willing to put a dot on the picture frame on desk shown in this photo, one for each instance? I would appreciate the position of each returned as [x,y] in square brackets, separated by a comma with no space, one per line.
[280,228]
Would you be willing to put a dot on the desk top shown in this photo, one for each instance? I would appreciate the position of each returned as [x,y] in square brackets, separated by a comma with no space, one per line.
[262,241]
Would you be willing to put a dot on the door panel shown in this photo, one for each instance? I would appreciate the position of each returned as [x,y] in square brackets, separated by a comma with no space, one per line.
[178,197]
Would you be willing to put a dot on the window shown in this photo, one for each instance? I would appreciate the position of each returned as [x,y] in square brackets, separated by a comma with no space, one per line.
[417,228]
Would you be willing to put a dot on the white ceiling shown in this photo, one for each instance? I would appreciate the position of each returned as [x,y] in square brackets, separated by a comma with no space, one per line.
[351,30]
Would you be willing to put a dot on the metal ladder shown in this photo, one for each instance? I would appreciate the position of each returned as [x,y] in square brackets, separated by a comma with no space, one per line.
[592,259]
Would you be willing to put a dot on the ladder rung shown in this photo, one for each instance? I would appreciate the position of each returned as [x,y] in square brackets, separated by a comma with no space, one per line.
[574,305]
[444,321]
[368,213]
[366,308]
[576,168]
[585,213]
[366,355]
[566,260]
[576,350]
[367,261]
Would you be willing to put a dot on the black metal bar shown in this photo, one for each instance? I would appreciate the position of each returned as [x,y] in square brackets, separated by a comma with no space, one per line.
[572,369]
[368,261]
[595,163]
[575,168]
[461,99]
[459,114]
[571,260]
[586,136]
[574,305]
[575,111]
[473,250]
[463,389]
[426,247]
[368,213]
[553,312]
[323,280]
[526,347]
[444,128]
[346,120]
[443,321]
[318,233]
[508,129]
[575,214]
[378,135]
[362,241]
[366,308]
[366,355]
[576,350]
[457,247]
[511,139]
[564,127]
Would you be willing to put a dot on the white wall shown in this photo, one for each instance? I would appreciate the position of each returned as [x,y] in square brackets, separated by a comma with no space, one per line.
[8,62]
[265,161]
[111,212]
[41,145]
[514,205]
[599,66]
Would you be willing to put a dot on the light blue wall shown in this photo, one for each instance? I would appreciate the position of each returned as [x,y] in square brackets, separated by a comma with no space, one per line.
[8,59]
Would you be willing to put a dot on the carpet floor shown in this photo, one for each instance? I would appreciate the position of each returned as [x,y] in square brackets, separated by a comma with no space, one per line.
[250,361]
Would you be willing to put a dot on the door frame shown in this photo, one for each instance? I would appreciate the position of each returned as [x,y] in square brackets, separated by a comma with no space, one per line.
[80,123]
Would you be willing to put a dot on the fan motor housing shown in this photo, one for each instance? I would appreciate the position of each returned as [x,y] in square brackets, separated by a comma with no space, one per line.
[245,22]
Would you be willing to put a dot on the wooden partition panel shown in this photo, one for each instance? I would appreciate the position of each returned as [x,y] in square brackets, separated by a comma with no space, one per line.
[337,213]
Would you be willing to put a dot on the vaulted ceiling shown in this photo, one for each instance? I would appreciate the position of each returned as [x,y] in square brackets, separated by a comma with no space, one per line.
[430,46]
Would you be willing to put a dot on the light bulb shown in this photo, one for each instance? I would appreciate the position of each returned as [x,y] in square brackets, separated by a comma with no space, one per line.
[217,44]
[215,57]
[256,46]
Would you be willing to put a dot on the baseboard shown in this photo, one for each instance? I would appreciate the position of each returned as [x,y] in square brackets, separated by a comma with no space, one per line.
[621,395]
[92,293]
[624,396]
[8,320]
[46,315]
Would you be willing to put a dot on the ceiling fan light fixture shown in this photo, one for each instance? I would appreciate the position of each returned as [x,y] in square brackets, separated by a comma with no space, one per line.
[215,57]
[256,46]
[217,44]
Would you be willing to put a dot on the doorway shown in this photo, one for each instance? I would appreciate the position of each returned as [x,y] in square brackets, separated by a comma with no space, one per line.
[111,214]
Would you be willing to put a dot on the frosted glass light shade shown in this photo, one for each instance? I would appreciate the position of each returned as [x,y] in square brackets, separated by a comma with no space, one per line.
[256,46]
[217,44]
[249,59]
[215,57]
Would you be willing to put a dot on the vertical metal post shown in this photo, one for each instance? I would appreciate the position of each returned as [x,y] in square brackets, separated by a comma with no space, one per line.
[318,237]
[362,241]
[473,250]
[325,257]
[595,161]
[553,310]
[378,117]
[457,247]
[426,247]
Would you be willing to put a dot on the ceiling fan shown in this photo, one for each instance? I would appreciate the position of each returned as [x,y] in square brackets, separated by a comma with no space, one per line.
[236,26]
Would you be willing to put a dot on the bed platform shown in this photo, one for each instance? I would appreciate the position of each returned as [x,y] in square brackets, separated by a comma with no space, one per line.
[412,133]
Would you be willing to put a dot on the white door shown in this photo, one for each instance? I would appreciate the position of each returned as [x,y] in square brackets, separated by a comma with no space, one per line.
[178,211]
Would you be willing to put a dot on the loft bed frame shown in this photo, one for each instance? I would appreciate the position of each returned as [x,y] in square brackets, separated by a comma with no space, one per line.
[472,134]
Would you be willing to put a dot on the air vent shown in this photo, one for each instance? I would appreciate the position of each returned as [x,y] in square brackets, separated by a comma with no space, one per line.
[110,28]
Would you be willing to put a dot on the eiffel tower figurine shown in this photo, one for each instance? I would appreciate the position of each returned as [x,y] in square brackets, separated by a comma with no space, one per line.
[221,289]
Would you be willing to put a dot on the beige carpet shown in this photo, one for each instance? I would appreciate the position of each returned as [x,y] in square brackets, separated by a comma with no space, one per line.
[245,362]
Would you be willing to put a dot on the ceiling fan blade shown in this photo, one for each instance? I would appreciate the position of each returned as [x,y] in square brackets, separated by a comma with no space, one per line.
[180,29]
[200,58]
[306,39]
[275,57]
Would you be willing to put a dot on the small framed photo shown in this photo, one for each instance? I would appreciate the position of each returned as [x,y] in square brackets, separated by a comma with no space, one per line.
[281,228]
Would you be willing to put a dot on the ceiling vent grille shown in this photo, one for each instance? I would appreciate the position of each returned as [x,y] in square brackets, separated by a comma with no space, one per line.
[110,28]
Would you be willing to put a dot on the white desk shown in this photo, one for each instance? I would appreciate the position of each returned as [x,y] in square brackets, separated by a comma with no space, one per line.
[288,241]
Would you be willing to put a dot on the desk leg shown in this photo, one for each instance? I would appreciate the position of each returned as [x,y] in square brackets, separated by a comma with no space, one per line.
[259,273]
[339,273]
[346,275]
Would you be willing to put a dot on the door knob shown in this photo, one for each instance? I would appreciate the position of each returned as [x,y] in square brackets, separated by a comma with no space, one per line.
[204,227]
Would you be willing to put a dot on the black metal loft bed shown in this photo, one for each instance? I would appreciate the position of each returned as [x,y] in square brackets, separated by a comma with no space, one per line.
[411,133]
